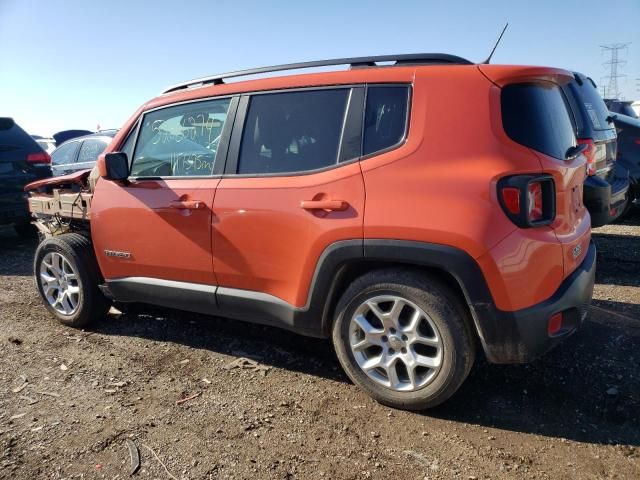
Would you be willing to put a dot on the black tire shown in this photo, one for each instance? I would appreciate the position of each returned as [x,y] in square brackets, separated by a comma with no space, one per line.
[78,252]
[26,230]
[446,311]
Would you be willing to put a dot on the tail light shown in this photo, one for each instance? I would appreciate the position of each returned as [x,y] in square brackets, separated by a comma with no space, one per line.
[528,200]
[590,154]
[39,158]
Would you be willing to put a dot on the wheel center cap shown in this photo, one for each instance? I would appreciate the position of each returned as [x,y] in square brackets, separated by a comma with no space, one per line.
[395,342]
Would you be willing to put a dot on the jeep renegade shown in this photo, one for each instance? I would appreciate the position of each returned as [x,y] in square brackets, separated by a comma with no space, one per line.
[412,208]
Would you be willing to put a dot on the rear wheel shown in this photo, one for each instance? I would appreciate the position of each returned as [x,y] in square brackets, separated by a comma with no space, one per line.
[403,338]
[67,277]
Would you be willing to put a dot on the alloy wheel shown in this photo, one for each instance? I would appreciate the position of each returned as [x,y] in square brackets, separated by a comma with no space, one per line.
[60,284]
[395,343]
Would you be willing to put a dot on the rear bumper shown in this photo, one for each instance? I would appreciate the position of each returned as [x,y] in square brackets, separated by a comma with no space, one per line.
[605,198]
[14,208]
[522,336]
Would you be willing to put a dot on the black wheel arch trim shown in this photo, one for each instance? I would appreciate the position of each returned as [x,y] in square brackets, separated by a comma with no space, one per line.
[503,335]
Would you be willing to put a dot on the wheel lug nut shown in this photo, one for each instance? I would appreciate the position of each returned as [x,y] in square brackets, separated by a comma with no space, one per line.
[391,351]
[404,338]
[384,338]
[404,350]
[393,331]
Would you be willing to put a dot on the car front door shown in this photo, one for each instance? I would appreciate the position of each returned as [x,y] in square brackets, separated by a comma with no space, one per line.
[292,187]
[152,234]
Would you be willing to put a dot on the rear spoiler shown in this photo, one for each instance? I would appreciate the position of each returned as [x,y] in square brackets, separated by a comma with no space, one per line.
[502,75]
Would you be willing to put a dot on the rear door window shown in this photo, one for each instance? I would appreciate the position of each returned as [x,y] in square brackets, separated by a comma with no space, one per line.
[385,117]
[537,116]
[65,154]
[293,131]
[90,150]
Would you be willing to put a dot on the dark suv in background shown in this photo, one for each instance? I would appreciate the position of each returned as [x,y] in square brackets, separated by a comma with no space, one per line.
[628,129]
[621,106]
[606,185]
[22,161]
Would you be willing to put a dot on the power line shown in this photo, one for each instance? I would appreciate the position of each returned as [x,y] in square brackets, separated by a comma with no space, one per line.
[612,90]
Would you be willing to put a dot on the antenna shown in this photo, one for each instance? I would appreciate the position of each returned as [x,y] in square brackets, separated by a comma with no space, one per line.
[496,45]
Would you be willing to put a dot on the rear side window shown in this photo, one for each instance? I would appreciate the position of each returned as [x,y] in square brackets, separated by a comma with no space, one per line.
[385,118]
[180,141]
[292,132]
[90,150]
[537,116]
[64,154]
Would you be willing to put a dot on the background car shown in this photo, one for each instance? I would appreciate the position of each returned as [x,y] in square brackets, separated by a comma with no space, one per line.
[621,106]
[628,129]
[80,153]
[22,161]
[64,135]
[48,144]
[606,185]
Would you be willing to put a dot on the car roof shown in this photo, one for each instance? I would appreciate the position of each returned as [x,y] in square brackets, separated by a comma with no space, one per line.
[102,136]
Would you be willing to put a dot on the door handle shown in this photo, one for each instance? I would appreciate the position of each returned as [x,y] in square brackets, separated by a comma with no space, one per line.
[324,205]
[187,204]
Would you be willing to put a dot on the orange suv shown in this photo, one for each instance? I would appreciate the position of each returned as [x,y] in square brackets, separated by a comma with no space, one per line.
[412,211]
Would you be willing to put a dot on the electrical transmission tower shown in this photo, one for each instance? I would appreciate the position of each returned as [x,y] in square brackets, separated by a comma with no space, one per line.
[614,62]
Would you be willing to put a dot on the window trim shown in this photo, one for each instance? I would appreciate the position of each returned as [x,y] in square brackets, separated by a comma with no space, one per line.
[354,112]
[223,148]
[405,133]
[234,127]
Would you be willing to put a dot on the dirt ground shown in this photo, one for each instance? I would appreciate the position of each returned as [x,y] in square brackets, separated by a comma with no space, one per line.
[573,414]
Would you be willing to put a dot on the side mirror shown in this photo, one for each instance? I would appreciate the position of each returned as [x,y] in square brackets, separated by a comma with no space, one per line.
[114,166]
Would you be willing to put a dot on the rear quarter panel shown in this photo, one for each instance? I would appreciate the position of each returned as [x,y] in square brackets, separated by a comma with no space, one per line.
[441,187]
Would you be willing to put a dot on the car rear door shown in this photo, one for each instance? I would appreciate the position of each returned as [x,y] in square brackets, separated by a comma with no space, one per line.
[88,153]
[152,233]
[292,187]
[64,157]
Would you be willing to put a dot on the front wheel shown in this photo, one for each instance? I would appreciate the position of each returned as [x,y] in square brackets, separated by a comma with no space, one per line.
[67,278]
[403,338]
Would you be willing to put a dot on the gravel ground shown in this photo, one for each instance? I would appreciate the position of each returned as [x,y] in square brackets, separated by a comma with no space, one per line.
[172,384]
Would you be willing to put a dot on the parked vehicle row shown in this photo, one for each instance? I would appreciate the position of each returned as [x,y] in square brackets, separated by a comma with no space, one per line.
[605,189]
[355,205]
[80,153]
[628,129]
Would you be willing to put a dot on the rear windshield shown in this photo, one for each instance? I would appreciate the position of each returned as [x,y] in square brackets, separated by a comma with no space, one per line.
[15,138]
[536,116]
[595,109]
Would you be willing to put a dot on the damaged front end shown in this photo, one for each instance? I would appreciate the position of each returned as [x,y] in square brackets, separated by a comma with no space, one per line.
[62,204]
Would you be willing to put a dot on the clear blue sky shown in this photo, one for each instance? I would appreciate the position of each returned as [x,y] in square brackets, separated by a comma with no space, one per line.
[76,64]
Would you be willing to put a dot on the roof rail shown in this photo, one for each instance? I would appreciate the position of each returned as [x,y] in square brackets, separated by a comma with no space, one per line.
[354,62]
